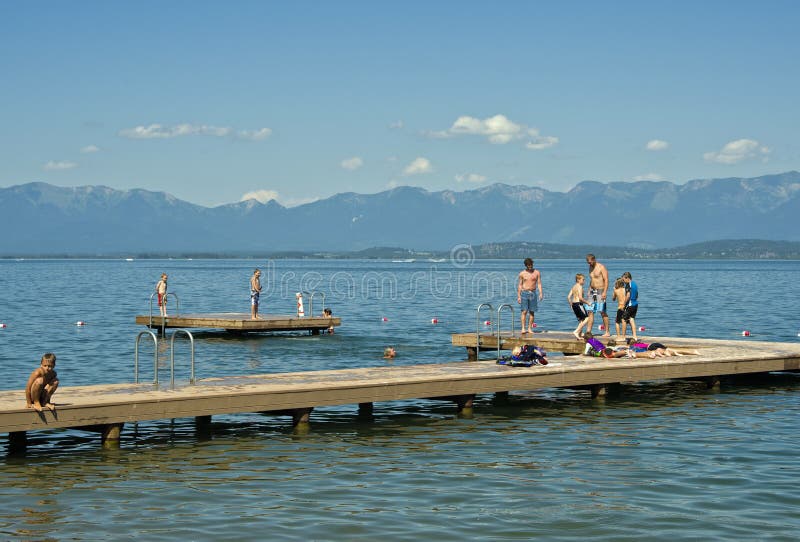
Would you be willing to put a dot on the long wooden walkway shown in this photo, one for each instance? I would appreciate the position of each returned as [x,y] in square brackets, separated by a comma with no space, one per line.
[241,322]
[106,407]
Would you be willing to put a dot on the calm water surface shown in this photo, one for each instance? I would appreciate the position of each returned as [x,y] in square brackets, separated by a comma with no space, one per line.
[662,461]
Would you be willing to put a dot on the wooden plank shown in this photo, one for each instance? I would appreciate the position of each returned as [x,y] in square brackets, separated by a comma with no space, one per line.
[240,322]
[120,403]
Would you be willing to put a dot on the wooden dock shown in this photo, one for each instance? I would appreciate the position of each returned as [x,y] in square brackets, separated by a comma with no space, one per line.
[241,322]
[105,408]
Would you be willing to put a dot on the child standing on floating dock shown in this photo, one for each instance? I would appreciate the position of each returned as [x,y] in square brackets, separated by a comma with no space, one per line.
[42,384]
[577,302]
[255,294]
[632,303]
[161,290]
[620,296]
[529,281]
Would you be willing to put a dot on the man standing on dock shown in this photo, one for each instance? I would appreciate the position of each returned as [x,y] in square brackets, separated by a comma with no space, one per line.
[528,282]
[598,289]
[255,293]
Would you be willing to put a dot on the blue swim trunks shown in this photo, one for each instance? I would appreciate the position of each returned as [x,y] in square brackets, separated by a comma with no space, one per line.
[596,303]
[528,301]
[254,298]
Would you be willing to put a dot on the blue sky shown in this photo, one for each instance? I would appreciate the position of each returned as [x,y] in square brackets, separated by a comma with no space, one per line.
[215,101]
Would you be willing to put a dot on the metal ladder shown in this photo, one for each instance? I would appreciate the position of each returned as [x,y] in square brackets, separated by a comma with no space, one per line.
[478,326]
[311,301]
[497,329]
[155,356]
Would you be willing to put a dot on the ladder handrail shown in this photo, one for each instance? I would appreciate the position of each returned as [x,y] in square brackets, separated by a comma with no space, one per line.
[172,356]
[177,303]
[311,301]
[499,312]
[478,324]
[136,356]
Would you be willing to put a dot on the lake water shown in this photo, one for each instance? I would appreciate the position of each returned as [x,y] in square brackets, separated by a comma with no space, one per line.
[660,461]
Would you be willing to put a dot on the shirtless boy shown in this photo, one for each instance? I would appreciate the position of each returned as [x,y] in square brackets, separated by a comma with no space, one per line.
[598,289]
[530,280]
[42,384]
[161,290]
[577,302]
[255,293]
[621,297]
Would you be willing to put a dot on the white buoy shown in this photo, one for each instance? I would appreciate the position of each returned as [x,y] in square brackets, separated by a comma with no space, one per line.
[601,327]
[80,323]
[434,320]
[384,319]
[487,323]
[745,333]
[3,325]
[641,328]
[533,324]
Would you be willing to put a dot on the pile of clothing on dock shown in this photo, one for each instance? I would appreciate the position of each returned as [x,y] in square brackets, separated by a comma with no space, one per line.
[526,355]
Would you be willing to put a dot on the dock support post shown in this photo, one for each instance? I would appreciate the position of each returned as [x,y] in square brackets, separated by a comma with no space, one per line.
[110,434]
[301,415]
[202,426]
[599,391]
[202,422]
[365,411]
[17,442]
[472,353]
[501,397]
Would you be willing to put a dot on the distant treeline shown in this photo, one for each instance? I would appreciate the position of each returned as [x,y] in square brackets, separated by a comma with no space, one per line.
[730,249]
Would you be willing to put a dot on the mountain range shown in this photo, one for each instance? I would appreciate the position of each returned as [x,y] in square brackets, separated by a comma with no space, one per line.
[42,219]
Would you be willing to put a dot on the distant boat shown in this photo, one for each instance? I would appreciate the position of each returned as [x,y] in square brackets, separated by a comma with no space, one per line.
[128,259]
[437,260]
[407,260]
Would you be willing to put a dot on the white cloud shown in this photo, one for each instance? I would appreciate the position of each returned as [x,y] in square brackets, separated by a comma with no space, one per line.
[538,143]
[470,178]
[59,166]
[260,195]
[396,125]
[498,130]
[254,135]
[88,149]
[159,131]
[437,134]
[649,177]
[352,163]
[418,167]
[738,150]
[657,145]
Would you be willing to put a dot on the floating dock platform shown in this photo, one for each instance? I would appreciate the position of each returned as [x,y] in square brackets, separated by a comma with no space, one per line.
[237,322]
[106,408]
